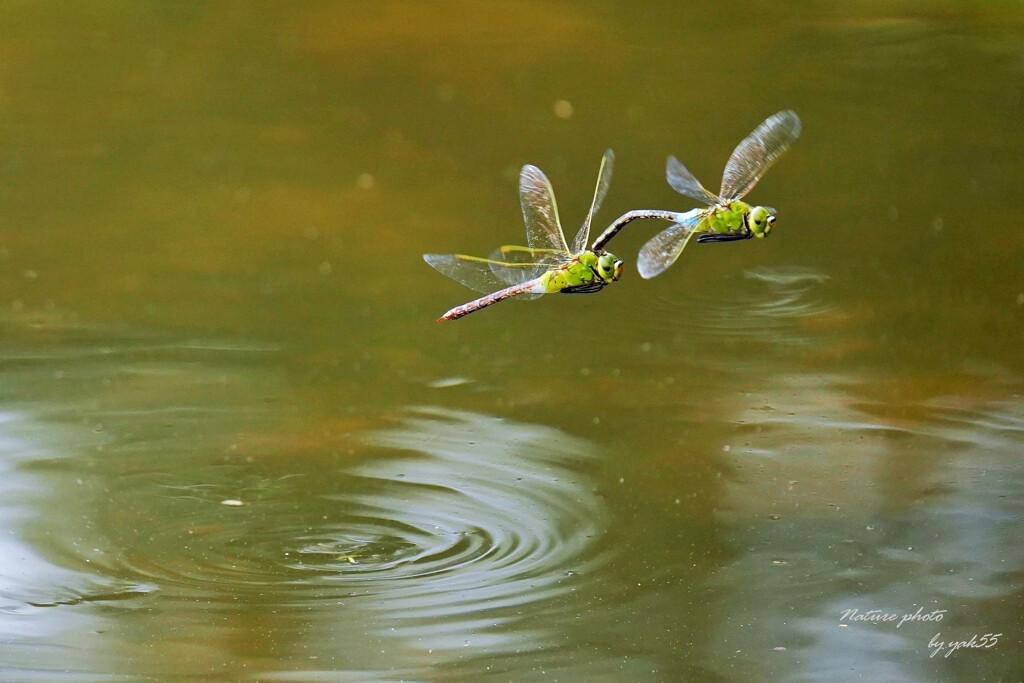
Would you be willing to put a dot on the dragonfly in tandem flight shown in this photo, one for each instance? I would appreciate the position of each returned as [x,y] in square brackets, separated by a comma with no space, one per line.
[548,265]
[725,217]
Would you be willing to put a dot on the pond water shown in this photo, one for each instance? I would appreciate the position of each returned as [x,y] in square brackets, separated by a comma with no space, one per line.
[235,445]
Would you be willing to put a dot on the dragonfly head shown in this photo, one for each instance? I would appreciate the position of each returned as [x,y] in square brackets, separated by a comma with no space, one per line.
[609,268]
[761,221]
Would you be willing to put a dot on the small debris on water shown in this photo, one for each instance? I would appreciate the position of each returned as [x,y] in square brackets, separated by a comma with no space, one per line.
[446,382]
[232,502]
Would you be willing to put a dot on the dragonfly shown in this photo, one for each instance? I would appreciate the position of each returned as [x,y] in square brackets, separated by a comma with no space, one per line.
[549,264]
[725,217]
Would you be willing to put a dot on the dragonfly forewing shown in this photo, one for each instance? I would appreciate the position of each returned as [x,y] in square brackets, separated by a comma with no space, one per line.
[543,229]
[758,152]
[604,179]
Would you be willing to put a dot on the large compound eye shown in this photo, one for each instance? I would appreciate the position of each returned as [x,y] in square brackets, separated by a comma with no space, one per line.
[761,220]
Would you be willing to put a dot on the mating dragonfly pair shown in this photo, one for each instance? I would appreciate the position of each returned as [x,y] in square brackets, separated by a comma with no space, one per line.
[550,265]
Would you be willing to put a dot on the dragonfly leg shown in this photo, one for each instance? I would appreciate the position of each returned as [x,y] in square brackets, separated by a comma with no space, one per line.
[724,236]
[584,289]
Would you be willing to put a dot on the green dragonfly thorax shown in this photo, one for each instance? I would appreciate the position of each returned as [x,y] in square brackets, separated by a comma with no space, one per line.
[588,272]
[736,218]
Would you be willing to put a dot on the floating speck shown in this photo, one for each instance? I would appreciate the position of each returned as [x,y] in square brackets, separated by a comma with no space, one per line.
[232,502]
[446,382]
[563,109]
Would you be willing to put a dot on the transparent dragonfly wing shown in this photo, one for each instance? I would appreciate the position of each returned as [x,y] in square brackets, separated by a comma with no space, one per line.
[604,179]
[513,264]
[662,250]
[482,274]
[543,230]
[758,152]
[685,183]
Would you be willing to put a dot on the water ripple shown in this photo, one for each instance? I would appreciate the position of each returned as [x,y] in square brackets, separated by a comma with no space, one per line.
[457,502]
[494,517]
[765,300]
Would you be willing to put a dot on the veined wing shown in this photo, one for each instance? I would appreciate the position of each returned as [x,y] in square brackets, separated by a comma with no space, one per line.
[513,264]
[685,183]
[758,152]
[664,248]
[480,273]
[543,230]
[604,179]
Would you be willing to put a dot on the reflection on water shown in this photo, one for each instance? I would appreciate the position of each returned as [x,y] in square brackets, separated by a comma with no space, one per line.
[838,511]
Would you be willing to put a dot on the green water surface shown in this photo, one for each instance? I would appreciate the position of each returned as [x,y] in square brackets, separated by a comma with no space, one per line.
[234,444]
